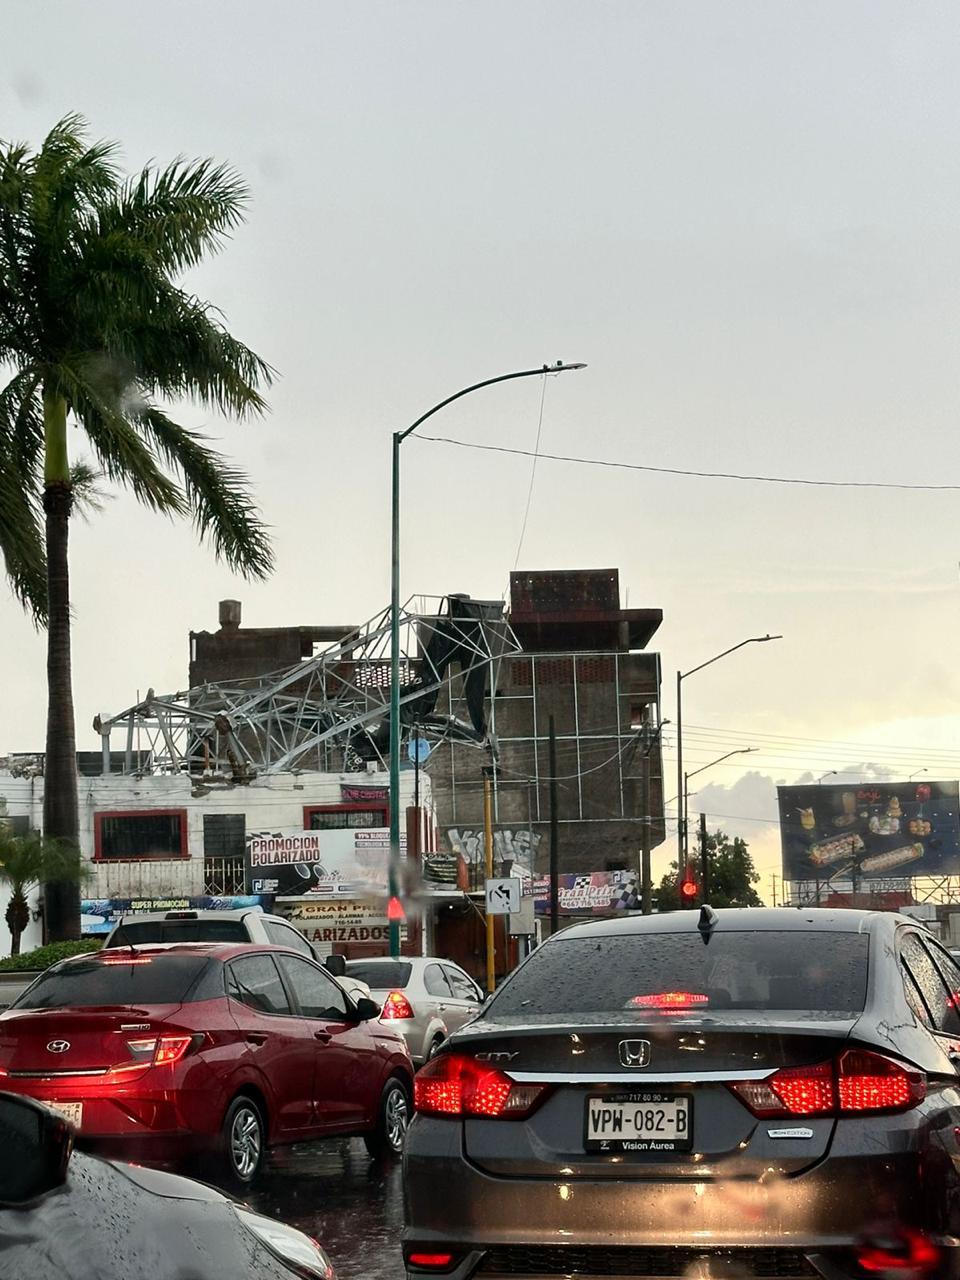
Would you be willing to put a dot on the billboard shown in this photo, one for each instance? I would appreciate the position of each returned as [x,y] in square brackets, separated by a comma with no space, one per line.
[347,862]
[593,893]
[870,831]
[99,915]
[337,922]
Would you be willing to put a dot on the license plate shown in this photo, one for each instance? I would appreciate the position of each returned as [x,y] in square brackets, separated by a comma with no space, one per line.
[72,1111]
[647,1121]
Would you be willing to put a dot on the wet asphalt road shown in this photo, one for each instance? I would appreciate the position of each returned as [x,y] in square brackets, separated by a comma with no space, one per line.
[353,1205]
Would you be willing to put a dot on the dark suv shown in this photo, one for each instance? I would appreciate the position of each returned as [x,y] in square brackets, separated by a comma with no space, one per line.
[770,1093]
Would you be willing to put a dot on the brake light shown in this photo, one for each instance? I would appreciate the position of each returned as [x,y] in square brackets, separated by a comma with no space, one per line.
[911,1257]
[396,1005]
[670,1000]
[163,1051]
[452,1085]
[430,1261]
[871,1082]
[126,960]
[858,1081]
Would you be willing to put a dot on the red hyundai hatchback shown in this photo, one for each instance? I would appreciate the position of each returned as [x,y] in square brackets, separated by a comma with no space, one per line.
[169,1050]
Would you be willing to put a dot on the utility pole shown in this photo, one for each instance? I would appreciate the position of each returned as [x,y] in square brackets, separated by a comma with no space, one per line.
[646,895]
[488,858]
[773,882]
[554,834]
[704,861]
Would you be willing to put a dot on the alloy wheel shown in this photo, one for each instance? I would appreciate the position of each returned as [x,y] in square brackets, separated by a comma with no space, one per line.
[396,1118]
[245,1143]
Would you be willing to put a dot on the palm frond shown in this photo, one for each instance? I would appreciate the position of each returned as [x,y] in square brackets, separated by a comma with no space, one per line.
[89,498]
[21,521]
[122,454]
[218,495]
[180,213]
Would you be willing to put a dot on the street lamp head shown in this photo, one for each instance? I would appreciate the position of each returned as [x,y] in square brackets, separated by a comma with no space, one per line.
[560,367]
[764,639]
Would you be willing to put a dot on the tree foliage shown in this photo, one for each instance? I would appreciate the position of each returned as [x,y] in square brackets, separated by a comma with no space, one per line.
[732,876]
[93,316]
[27,861]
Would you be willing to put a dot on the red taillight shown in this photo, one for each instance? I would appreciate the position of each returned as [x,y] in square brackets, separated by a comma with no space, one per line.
[909,1257]
[396,1005]
[871,1082]
[670,1000]
[430,1261]
[451,1085]
[163,1051]
[859,1081]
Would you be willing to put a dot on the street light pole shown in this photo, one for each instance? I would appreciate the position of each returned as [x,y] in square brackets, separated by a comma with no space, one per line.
[740,751]
[681,676]
[394,908]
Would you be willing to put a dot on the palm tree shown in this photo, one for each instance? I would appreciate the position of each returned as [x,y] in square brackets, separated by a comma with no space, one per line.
[96,329]
[25,862]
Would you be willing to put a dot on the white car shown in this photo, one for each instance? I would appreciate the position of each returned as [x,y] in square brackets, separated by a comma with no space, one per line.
[424,997]
[226,926]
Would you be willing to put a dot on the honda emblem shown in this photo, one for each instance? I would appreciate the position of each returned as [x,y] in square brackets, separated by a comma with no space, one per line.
[635,1053]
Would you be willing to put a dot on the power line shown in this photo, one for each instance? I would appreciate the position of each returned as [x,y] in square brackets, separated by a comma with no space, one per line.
[533,473]
[701,475]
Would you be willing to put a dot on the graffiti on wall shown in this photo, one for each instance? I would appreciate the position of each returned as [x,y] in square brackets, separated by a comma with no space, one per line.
[510,844]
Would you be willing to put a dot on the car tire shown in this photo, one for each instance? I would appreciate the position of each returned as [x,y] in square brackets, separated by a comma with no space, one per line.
[244,1141]
[434,1048]
[393,1117]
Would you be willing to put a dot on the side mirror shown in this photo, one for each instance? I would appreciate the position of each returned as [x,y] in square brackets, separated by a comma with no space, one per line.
[336,965]
[36,1143]
[366,1009]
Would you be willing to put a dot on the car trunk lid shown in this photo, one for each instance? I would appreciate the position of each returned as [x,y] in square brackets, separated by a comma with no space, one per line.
[90,1041]
[600,1077]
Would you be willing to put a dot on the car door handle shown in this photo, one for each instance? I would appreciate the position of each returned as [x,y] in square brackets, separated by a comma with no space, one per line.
[256,1037]
[323,1036]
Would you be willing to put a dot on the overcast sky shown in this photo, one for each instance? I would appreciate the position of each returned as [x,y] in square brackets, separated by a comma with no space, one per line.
[743,216]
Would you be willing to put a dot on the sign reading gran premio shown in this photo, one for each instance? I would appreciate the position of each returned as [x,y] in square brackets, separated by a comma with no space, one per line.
[870,831]
[347,862]
[341,922]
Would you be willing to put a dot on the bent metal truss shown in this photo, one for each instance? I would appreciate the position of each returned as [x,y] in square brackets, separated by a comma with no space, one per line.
[330,712]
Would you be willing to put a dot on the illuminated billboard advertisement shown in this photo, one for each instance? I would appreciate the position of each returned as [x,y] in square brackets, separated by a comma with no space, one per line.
[870,831]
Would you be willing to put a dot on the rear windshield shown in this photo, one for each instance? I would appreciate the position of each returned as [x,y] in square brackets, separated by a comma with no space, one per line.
[656,972]
[380,974]
[137,931]
[144,980]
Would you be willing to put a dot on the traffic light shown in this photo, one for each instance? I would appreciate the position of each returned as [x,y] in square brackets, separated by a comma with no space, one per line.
[689,889]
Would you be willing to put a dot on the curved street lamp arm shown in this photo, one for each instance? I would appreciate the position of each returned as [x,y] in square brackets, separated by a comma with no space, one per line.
[740,751]
[559,367]
[733,648]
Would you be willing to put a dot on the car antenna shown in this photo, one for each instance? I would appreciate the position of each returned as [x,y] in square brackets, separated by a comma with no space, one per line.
[121,930]
[708,920]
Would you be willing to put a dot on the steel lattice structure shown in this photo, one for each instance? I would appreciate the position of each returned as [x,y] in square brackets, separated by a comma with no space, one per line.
[329,712]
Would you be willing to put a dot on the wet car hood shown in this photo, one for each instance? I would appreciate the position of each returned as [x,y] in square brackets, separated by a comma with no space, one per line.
[116,1222]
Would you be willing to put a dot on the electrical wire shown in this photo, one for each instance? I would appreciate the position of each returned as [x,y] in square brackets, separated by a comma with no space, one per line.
[701,475]
[533,473]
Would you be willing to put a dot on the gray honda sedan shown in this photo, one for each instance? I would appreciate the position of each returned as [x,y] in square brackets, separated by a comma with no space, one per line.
[744,1092]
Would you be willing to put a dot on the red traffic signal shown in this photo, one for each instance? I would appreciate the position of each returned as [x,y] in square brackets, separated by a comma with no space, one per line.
[689,888]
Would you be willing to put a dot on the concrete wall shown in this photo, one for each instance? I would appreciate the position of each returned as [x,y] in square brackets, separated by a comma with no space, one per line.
[275,802]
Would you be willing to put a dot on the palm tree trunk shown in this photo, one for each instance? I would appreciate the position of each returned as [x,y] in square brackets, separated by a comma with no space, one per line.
[61,899]
[18,917]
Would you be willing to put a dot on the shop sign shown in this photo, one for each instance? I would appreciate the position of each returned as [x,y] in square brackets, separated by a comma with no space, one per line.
[341,922]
